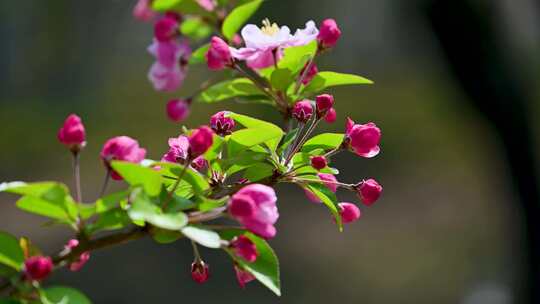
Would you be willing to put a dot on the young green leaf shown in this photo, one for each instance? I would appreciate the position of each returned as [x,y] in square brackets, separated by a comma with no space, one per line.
[143,209]
[11,253]
[329,200]
[137,175]
[325,141]
[163,236]
[259,171]
[267,128]
[112,219]
[204,237]
[239,87]
[63,295]
[324,80]
[195,29]
[238,17]
[198,55]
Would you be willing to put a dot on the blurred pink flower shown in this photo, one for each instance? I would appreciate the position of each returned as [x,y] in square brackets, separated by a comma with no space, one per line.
[121,148]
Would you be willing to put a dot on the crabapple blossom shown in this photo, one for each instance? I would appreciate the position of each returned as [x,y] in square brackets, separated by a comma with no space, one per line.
[178,150]
[243,277]
[178,109]
[37,268]
[369,191]
[318,162]
[302,111]
[329,33]
[218,55]
[72,133]
[245,248]
[308,76]
[142,10]
[363,139]
[122,148]
[323,103]
[200,141]
[221,124]
[329,181]
[166,28]
[330,116]
[349,212]
[200,271]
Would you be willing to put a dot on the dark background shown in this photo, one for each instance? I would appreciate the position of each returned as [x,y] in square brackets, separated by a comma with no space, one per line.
[455,94]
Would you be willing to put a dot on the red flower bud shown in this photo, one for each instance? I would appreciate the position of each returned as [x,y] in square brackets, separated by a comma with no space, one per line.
[221,124]
[178,109]
[166,28]
[38,267]
[200,141]
[330,116]
[313,70]
[121,148]
[72,133]
[245,248]
[199,163]
[329,33]
[218,55]
[243,277]
[324,103]
[302,111]
[369,191]
[318,162]
[200,272]
[363,139]
[349,212]
[83,258]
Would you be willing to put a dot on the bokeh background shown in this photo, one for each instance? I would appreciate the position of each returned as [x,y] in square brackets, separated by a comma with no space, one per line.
[456,94]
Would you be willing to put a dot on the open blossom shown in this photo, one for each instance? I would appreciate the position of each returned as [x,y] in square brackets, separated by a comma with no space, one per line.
[218,55]
[122,148]
[369,191]
[329,33]
[142,10]
[302,111]
[254,206]
[200,141]
[363,139]
[245,248]
[308,76]
[200,272]
[265,45]
[349,212]
[83,258]
[166,28]
[330,116]
[38,267]
[178,150]
[243,277]
[72,133]
[328,180]
[221,124]
[169,71]
[177,109]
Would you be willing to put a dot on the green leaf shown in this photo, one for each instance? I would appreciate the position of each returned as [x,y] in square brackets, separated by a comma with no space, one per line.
[281,79]
[137,175]
[269,129]
[163,236]
[198,55]
[113,219]
[42,207]
[266,268]
[239,87]
[258,172]
[325,141]
[246,138]
[195,179]
[111,201]
[11,253]
[185,7]
[143,209]
[64,295]
[207,204]
[204,237]
[195,29]
[328,198]
[238,17]
[324,80]
[9,301]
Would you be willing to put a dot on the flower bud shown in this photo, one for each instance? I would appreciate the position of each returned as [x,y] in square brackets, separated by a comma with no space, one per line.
[302,111]
[83,258]
[166,28]
[122,148]
[242,206]
[199,163]
[243,277]
[200,271]
[363,139]
[369,191]
[329,33]
[329,181]
[72,133]
[221,124]
[318,162]
[330,116]
[324,103]
[313,70]
[218,55]
[208,5]
[38,267]
[245,248]
[349,212]
[200,141]
[143,11]
[178,109]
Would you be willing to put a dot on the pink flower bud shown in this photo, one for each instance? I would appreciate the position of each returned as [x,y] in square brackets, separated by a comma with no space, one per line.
[349,212]
[221,124]
[38,267]
[200,272]
[302,111]
[245,248]
[143,11]
[178,150]
[72,133]
[122,148]
[166,28]
[254,206]
[324,103]
[329,33]
[218,55]
[318,162]
[369,191]
[243,277]
[178,109]
[330,116]
[199,163]
[83,258]
[208,5]
[237,40]
[313,70]
[200,141]
[328,180]
[363,139]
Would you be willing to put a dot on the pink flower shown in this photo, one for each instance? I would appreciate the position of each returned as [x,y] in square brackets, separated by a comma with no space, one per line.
[208,5]
[38,268]
[363,139]
[329,34]
[369,191]
[199,163]
[318,162]
[178,150]
[328,180]
[166,28]
[265,45]
[330,116]
[254,206]
[143,11]
[166,79]
[200,272]
[245,248]
[243,277]
[349,212]
[72,133]
[169,71]
[237,40]
[218,55]
[324,103]
[200,141]
[221,124]
[177,109]
[83,258]
[302,111]
[313,70]
[121,148]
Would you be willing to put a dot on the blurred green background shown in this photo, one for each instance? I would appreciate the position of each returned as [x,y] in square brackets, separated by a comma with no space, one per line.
[449,228]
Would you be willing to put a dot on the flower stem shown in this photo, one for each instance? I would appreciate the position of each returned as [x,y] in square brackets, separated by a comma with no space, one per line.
[105,182]
[175,186]
[196,253]
[77,177]
[303,140]
[301,179]
[304,74]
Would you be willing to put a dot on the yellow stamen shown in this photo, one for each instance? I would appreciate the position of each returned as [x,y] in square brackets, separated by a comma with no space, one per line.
[268,28]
